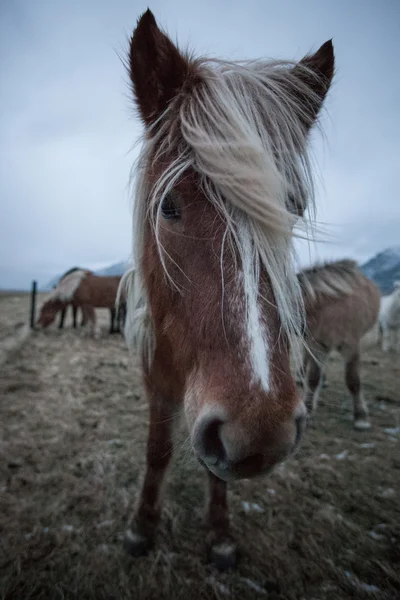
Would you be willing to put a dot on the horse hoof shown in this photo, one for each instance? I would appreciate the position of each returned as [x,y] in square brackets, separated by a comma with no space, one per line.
[223,554]
[135,543]
[362,424]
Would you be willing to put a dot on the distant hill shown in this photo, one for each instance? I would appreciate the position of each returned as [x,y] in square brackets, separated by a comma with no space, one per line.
[384,269]
[116,269]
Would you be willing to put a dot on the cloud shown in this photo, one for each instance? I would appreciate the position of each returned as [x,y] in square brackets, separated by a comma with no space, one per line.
[67,124]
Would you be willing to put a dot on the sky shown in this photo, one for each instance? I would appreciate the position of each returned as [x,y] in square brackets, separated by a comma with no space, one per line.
[67,124]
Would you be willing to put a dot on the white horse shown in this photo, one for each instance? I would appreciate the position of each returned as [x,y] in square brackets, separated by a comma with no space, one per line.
[389,320]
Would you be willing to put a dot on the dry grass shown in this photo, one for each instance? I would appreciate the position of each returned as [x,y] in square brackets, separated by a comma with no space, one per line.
[72,449]
[14,313]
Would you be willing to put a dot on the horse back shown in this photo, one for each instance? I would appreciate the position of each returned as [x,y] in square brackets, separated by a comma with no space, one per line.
[344,320]
[98,291]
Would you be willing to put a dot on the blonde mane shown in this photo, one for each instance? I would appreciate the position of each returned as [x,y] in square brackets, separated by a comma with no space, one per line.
[328,280]
[67,286]
[241,129]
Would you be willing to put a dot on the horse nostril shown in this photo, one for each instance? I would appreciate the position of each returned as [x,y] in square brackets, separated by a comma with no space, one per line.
[210,440]
[253,462]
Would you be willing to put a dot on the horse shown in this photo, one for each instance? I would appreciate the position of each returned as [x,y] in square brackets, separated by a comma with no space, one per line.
[222,179]
[61,297]
[341,306]
[389,320]
[74,307]
[97,291]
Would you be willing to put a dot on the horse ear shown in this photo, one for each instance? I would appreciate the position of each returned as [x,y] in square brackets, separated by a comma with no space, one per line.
[156,67]
[314,73]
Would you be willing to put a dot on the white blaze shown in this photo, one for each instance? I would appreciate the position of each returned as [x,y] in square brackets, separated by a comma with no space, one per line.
[256,334]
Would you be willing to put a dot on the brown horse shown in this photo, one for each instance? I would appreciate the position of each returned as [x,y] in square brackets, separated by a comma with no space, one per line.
[82,289]
[342,305]
[222,179]
[74,307]
[95,291]
[61,297]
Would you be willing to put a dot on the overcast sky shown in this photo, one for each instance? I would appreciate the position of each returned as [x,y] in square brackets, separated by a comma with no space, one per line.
[67,125]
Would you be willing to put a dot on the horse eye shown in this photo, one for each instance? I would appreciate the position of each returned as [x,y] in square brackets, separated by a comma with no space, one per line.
[168,208]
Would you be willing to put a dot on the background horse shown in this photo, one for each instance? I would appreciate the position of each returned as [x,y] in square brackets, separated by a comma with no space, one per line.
[94,291]
[74,307]
[222,178]
[61,297]
[341,305]
[389,320]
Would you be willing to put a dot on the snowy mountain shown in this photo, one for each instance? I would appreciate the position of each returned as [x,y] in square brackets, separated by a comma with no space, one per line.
[384,268]
[115,269]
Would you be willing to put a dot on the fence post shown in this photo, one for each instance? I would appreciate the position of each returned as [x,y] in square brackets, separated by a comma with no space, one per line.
[33,304]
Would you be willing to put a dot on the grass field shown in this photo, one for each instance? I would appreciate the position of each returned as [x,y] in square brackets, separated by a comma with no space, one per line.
[73,418]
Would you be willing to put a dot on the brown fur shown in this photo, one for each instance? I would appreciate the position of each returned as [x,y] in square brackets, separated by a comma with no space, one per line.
[96,291]
[200,358]
[342,305]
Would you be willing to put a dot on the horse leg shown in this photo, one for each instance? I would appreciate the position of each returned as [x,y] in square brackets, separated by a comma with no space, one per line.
[392,339]
[380,335]
[95,330]
[112,319]
[221,545]
[314,377]
[354,385]
[62,318]
[121,318]
[386,339]
[89,316]
[139,536]
[118,320]
[74,314]
[85,317]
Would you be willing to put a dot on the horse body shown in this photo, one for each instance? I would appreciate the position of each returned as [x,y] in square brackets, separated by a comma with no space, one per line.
[389,320]
[95,291]
[223,177]
[341,305]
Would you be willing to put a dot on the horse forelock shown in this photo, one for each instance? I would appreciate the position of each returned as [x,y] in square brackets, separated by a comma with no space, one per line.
[239,130]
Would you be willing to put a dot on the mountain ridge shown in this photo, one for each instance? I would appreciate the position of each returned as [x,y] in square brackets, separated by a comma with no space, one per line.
[384,269]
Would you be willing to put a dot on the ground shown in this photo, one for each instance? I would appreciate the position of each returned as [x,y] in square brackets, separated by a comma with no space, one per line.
[324,525]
